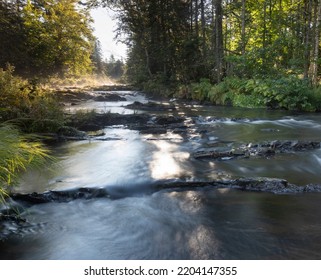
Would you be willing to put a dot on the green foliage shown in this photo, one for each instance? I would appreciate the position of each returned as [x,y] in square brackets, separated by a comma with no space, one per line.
[156,32]
[12,36]
[289,93]
[27,105]
[190,40]
[46,37]
[115,68]
[158,85]
[201,90]
[17,153]
[14,98]
[314,99]
[82,117]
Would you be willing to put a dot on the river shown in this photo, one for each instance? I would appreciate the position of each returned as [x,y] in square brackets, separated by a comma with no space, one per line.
[135,221]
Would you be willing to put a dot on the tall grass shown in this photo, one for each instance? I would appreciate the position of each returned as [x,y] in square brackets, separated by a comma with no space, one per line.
[17,153]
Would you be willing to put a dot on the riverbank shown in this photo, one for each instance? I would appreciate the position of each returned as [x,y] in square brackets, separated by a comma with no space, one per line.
[288,92]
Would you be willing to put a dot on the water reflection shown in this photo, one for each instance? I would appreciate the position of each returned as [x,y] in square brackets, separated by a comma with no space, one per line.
[168,161]
[110,107]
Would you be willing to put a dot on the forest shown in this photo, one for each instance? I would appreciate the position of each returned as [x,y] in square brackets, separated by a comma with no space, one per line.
[262,53]
[244,53]
[247,53]
[203,144]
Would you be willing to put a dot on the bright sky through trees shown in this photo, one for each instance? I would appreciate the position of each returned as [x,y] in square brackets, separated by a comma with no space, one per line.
[104,27]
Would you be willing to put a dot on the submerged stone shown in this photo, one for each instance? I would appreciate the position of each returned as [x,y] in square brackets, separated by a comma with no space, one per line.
[265,149]
[151,106]
[108,97]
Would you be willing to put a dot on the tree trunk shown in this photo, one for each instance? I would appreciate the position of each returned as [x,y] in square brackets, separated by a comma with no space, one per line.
[307,37]
[218,42]
[315,56]
[148,63]
[264,26]
[196,18]
[191,16]
[243,28]
[203,27]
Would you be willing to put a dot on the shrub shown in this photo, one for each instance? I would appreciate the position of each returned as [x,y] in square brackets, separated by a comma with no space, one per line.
[21,100]
[287,92]
[159,85]
[201,90]
[14,97]
[314,98]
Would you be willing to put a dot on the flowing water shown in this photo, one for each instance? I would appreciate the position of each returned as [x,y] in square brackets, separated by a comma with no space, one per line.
[137,222]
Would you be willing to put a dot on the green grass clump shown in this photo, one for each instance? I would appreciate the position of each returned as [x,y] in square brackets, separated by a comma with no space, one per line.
[17,153]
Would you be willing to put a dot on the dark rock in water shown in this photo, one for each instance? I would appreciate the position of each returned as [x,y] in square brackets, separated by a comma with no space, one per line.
[109,139]
[272,185]
[264,184]
[11,217]
[216,153]
[70,133]
[152,130]
[60,196]
[151,106]
[73,96]
[212,119]
[312,188]
[266,149]
[113,88]
[109,97]
[11,224]
[180,130]
[90,127]
[119,119]
[144,123]
[294,145]
[166,120]
[161,124]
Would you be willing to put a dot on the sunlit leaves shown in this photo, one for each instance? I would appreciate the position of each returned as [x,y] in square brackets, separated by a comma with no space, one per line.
[17,153]
[46,37]
[27,104]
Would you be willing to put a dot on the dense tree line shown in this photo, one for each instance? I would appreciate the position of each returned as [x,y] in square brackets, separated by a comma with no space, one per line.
[111,67]
[170,41]
[45,37]
[186,40]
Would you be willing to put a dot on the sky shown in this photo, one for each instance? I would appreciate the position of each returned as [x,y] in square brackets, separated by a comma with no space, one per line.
[104,26]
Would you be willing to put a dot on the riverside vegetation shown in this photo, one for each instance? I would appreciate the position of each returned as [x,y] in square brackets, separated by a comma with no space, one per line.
[30,113]
[238,53]
[24,109]
[290,93]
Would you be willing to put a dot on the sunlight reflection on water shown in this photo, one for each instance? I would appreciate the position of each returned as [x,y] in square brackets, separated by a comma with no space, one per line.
[166,161]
